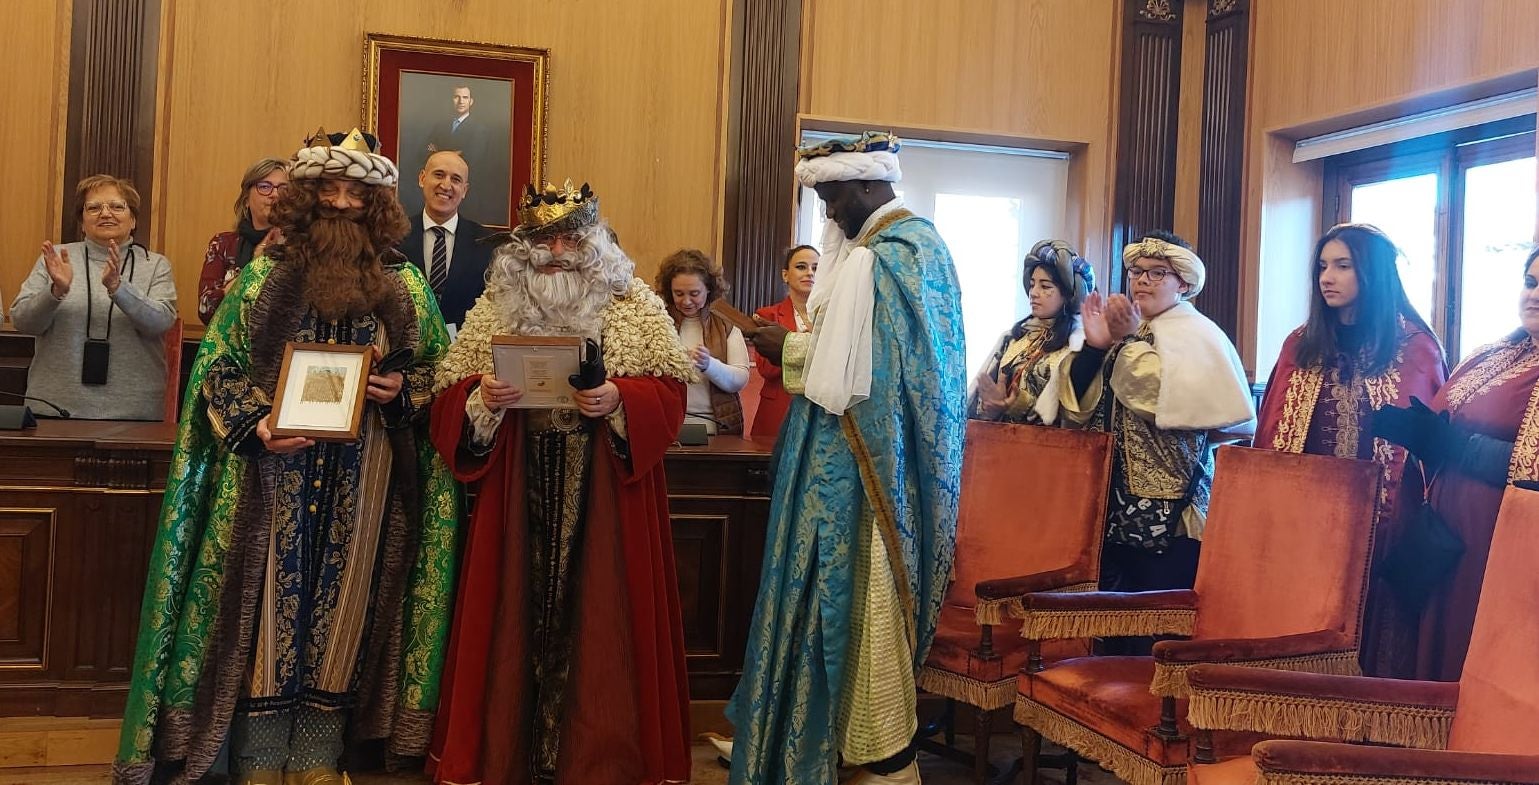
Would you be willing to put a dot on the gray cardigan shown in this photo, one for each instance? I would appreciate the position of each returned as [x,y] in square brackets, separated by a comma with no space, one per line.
[145,309]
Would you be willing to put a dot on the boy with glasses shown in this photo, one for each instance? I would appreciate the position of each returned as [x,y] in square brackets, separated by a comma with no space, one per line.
[1167,383]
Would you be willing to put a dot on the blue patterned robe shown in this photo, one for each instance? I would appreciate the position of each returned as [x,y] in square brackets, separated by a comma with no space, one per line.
[905,441]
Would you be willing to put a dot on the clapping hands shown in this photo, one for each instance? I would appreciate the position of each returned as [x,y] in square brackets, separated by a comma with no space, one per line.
[1108,320]
[60,273]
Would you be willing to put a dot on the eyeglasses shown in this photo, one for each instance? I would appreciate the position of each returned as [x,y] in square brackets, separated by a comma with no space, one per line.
[268,189]
[1154,274]
[96,208]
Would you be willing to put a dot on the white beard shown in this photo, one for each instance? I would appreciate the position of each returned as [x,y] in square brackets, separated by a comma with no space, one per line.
[569,302]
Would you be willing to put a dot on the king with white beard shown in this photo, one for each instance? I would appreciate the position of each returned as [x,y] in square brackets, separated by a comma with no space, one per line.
[566,660]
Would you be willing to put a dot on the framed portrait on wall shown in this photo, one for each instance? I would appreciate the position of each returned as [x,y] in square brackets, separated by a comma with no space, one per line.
[486,101]
[321,391]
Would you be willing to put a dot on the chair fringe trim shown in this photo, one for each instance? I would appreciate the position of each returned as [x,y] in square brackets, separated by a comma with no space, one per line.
[1055,625]
[1310,778]
[993,612]
[1421,727]
[1170,678]
[1128,765]
[985,695]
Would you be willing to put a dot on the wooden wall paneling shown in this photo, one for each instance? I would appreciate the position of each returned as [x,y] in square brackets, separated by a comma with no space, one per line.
[1189,134]
[1148,121]
[1223,159]
[35,94]
[26,585]
[637,99]
[112,101]
[1020,69]
[762,134]
[1318,66]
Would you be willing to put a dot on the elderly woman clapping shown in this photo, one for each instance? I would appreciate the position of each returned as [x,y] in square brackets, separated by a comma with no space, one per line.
[98,309]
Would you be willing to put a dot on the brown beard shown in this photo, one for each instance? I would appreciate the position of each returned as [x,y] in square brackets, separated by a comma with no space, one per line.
[342,272]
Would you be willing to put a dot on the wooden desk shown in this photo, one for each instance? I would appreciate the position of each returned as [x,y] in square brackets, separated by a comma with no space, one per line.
[718,498]
[80,502]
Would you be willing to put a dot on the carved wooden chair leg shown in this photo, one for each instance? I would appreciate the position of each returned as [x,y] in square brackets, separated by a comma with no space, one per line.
[950,723]
[1070,767]
[1203,740]
[983,727]
[1167,729]
[1031,750]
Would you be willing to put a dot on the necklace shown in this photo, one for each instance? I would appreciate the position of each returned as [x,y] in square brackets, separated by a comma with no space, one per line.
[801,313]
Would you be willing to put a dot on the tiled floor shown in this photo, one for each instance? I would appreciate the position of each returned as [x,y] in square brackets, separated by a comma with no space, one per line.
[933,770]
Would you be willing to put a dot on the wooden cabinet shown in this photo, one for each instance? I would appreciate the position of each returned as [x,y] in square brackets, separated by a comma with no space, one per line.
[80,502]
[718,497]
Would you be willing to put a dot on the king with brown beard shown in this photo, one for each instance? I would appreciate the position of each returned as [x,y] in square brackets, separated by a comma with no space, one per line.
[299,591]
[566,663]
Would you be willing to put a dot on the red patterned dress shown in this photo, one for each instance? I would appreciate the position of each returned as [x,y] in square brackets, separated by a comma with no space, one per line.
[1327,410]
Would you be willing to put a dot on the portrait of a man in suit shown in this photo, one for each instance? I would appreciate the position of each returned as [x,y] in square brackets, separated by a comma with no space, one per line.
[470,116]
[444,244]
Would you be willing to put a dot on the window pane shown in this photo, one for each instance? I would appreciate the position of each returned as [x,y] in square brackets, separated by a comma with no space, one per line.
[983,233]
[1498,227]
[1406,209]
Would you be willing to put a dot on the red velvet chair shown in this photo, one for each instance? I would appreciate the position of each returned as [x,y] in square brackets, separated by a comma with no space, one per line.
[1483,728]
[1033,508]
[1280,584]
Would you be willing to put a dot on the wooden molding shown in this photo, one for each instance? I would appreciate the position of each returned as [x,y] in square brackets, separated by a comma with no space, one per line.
[114,47]
[1148,121]
[762,133]
[1220,190]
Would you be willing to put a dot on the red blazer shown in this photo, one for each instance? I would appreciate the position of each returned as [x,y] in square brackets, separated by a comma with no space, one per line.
[773,399]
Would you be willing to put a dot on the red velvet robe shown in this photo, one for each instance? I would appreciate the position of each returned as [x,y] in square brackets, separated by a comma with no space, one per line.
[626,716]
[1495,392]
[774,401]
[1299,414]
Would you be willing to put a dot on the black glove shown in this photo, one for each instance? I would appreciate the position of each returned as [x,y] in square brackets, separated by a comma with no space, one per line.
[397,360]
[1414,427]
[590,372]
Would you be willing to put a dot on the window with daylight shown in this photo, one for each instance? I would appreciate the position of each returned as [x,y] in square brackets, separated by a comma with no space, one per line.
[991,205]
[1461,207]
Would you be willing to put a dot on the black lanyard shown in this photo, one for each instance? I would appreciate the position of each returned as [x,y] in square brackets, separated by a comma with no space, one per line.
[126,272]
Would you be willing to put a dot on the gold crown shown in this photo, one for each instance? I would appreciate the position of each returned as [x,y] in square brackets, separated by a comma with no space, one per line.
[553,209]
[354,140]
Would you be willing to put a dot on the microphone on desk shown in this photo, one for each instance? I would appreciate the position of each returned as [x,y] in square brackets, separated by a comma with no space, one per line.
[62,412]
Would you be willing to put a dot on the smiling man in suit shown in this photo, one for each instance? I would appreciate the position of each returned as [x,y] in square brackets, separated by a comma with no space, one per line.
[445,244]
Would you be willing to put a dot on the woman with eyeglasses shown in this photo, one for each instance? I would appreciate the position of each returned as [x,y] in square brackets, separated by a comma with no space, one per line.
[229,252]
[1364,347]
[1166,382]
[1480,433]
[98,309]
[1021,380]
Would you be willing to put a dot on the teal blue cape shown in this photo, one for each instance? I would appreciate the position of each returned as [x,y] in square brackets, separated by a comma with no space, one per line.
[897,454]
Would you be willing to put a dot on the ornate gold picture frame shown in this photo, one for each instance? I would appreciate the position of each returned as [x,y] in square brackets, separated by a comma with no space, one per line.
[485,101]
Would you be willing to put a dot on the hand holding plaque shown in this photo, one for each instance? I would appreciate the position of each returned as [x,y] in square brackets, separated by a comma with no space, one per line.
[544,368]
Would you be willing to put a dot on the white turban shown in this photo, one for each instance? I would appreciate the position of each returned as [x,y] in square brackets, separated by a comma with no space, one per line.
[834,167]
[343,164]
[1186,263]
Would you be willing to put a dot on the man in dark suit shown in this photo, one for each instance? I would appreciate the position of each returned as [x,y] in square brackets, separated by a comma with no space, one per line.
[472,136]
[445,244]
